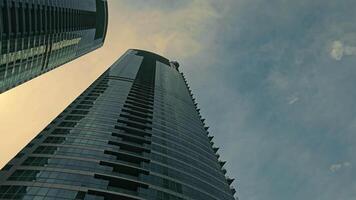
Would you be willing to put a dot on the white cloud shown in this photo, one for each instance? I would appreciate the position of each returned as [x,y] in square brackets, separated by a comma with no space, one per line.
[347,164]
[336,167]
[179,31]
[293,100]
[338,50]
[350,50]
[278,80]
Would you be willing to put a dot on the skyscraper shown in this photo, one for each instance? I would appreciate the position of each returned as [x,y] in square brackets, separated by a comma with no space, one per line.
[37,36]
[135,133]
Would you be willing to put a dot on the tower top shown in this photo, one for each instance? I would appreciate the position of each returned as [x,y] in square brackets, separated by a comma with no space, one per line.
[175,64]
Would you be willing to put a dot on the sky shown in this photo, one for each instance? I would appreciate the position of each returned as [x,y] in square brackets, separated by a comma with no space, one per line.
[274,79]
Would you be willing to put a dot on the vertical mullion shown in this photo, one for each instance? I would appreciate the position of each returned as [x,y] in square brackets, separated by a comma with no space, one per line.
[61,21]
[21,18]
[26,34]
[30,60]
[39,20]
[13,19]
[1,26]
[71,19]
[66,19]
[2,66]
[5,11]
[27,19]
[7,33]
[56,14]
[30,29]
[34,16]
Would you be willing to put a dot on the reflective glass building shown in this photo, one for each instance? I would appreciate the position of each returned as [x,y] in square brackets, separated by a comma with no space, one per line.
[134,134]
[37,36]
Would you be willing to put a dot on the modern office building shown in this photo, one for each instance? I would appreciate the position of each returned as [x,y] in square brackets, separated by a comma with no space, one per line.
[37,36]
[135,133]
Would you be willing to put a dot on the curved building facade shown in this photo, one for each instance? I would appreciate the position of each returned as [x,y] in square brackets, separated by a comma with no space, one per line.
[38,36]
[134,134]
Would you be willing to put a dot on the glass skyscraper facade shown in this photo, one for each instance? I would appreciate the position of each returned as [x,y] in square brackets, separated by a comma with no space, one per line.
[136,133]
[37,36]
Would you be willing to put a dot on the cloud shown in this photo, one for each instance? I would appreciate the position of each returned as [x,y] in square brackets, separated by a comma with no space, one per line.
[278,80]
[293,100]
[338,166]
[347,164]
[338,50]
[278,49]
[175,29]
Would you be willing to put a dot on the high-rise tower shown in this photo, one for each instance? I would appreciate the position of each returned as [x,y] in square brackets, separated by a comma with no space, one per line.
[37,36]
[134,134]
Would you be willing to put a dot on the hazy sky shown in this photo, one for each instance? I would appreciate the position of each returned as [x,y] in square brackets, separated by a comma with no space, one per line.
[275,80]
